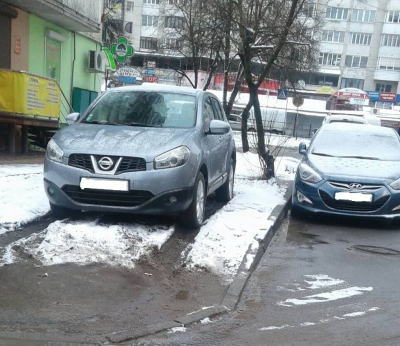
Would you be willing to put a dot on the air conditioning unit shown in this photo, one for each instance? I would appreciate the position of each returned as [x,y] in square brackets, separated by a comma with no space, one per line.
[95,61]
[375,111]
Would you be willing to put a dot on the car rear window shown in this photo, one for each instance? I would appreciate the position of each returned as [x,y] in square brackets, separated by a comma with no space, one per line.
[144,108]
[360,144]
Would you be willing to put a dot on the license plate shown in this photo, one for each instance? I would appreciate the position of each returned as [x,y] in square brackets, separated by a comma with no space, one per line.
[104,184]
[353,196]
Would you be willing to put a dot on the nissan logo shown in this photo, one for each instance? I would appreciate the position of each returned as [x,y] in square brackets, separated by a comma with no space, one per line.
[355,186]
[105,163]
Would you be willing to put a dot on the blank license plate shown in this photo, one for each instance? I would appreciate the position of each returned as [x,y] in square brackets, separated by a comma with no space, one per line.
[353,196]
[104,184]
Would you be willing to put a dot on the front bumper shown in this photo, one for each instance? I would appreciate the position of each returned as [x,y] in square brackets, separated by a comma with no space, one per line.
[385,204]
[150,191]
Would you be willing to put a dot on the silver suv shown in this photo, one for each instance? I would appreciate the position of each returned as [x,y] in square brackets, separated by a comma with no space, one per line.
[147,149]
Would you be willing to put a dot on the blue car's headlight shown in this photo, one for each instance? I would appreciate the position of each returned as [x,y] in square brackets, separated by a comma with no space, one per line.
[308,175]
[53,152]
[173,158]
[395,184]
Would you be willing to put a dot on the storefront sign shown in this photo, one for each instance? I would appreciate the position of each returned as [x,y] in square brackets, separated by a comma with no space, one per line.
[17,45]
[387,97]
[374,95]
[23,93]
[348,94]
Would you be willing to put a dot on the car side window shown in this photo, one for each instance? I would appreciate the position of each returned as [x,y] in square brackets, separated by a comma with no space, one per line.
[218,111]
[208,113]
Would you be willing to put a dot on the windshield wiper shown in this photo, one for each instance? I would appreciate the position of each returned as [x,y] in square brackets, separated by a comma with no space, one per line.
[360,157]
[322,154]
[140,124]
[100,122]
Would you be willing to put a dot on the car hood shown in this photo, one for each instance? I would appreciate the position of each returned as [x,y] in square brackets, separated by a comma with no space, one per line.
[333,167]
[146,142]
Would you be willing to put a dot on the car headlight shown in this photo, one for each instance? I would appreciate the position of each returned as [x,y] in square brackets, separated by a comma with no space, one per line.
[53,152]
[395,184]
[308,175]
[173,158]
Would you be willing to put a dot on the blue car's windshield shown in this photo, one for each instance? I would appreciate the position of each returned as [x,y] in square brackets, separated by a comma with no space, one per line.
[357,144]
[144,108]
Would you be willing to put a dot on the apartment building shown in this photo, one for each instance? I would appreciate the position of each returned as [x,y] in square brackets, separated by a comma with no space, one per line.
[359,42]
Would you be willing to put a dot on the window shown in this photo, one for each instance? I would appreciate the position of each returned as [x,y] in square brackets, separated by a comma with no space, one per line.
[329,59]
[393,16]
[359,38]
[149,20]
[307,9]
[332,36]
[389,63]
[208,114]
[390,40]
[356,61]
[129,6]
[172,43]
[219,114]
[352,83]
[363,16]
[174,22]
[173,2]
[151,2]
[336,13]
[148,43]
[383,87]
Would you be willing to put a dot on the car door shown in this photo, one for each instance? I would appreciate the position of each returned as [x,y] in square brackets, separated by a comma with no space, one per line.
[211,144]
[224,140]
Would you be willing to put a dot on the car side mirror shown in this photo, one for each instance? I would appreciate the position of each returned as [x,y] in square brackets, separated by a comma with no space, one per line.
[302,148]
[218,127]
[72,118]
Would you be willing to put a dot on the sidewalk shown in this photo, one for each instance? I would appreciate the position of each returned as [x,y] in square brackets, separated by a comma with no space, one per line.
[33,157]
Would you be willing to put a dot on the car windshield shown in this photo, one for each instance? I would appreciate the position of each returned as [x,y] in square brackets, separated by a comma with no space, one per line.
[352,144]
[144,108]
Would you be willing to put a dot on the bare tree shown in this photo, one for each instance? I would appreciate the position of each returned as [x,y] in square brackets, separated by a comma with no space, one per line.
[270,36]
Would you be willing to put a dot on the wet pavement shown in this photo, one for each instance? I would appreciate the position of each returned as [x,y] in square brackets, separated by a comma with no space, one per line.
[312,287]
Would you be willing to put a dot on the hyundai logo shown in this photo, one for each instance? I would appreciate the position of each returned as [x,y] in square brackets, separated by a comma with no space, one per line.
[355,186]
[105,163]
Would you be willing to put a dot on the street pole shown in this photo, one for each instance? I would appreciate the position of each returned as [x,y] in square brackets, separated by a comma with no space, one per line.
[295,122]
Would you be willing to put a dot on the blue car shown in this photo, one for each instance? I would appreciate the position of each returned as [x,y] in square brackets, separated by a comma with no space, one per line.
[349,170]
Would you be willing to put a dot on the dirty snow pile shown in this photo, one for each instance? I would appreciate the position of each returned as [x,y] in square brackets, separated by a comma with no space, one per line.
[220,245]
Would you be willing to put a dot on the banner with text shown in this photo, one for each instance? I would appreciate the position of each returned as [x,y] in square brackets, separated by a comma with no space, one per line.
[23,93]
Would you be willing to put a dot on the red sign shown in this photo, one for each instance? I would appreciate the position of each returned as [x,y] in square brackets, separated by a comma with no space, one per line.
[388,123]
[387,97]
[347,95]
[150,79]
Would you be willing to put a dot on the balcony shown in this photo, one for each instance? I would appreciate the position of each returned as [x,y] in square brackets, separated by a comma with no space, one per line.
[78,15]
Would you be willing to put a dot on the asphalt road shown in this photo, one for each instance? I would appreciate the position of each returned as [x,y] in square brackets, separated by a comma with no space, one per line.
[283,303]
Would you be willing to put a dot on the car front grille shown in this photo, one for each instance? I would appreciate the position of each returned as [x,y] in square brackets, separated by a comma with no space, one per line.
[352,206]
[128,164]
[82,161]
[131,198]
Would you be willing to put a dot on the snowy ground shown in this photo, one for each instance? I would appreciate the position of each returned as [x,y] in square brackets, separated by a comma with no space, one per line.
[219,246]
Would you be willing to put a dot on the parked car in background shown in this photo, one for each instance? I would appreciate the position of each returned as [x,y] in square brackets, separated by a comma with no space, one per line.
[344,118]
[145,149]
[350,170]
[273,119]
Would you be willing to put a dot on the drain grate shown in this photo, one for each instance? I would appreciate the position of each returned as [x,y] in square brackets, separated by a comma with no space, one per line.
[376,250]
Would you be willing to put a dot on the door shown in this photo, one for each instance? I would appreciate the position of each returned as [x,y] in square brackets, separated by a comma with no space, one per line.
[5,42]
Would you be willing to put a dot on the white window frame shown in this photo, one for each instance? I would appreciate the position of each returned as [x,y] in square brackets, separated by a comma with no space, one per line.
[129,6]
[149,20]
[329,59]
[356,61]
[333,36]
[393,17]
[390,40]
[360,38]
[151,2]
[388,63]
[337,13]
[366,16]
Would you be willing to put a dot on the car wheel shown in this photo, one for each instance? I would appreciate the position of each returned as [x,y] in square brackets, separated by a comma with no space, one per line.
[193,217]
[60,212]
[225,192]
[251,129]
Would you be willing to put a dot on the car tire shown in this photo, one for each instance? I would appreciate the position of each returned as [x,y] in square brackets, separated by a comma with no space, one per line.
[225,192]
[295,212]
[193,217]
[60,212]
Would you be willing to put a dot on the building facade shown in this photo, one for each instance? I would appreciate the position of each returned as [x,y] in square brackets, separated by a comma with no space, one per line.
[49,39]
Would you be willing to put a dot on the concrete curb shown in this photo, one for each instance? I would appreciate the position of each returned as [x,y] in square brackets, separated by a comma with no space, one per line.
[233,293]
